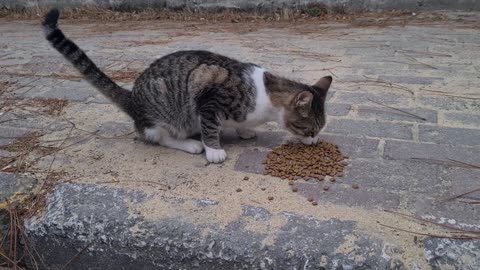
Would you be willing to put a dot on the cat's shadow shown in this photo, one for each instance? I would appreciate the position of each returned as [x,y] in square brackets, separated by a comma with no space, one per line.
[266,139]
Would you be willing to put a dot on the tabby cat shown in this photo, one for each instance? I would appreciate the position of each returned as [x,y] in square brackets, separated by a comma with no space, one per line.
[191,92]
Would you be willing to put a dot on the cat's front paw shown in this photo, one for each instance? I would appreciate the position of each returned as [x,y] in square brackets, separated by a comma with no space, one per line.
[215,155]
[246,133]
[193,146]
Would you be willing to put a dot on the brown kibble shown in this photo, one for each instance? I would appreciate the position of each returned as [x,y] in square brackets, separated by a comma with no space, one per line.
[294,189]
[310,199]
[239,190]
[355,186]
[314,203]
[263,188]
[297,161]
[270,198]
[326,188]
[290,183]
[332,179]
[246,178]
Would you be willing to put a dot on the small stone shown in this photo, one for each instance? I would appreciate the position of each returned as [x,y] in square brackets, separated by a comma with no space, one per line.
[332,179]
[326,188]
[355,186]
[290,183]
[263,188]
[314,203]
[246,178]
[340,174]
[294,189]
[270,198]
[310,199]
[239,190]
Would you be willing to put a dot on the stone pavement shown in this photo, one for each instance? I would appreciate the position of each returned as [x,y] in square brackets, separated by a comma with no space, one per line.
[127,205]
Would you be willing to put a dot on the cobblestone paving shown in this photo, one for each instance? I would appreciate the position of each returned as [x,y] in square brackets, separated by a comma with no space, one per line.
[407,160]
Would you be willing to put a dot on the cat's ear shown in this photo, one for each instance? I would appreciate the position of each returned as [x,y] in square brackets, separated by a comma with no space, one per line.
[303,102]
[324,83]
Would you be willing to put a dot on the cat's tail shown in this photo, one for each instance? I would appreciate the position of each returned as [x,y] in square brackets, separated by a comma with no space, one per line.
[80,60]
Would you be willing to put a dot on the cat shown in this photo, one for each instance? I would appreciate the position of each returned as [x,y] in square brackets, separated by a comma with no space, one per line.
[199,92]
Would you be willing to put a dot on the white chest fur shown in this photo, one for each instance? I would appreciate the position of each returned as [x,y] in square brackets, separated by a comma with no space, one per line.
[264,110]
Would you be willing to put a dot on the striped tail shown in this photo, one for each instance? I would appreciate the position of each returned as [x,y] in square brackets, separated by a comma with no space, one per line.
[80,60]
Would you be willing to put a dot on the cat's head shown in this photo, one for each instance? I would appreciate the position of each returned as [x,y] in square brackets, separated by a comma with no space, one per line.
[303,105]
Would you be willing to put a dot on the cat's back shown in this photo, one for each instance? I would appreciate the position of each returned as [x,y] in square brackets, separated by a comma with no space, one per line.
[182,65]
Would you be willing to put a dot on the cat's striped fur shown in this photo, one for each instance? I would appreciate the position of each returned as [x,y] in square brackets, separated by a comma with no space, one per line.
[189,92]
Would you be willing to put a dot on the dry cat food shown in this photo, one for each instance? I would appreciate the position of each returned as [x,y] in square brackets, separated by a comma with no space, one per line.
[294,161]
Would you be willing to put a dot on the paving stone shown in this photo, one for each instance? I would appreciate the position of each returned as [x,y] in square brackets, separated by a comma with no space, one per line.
[353,146]
[464,180]
[446,135]
[456,212]
[466,119]
[29,121]
[448,103]
[383,113]
[407,150]
[370,128]
[337,109]
[344,194]
[250,161]
[410,79]
[362,97]
[405,176]
[9,134]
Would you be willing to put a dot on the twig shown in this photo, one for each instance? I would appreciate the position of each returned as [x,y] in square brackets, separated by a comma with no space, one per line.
[8,259]
[459,195]
[405,112]
[431,222]
[464,163]
[444,162]
[76,256]
[460,237]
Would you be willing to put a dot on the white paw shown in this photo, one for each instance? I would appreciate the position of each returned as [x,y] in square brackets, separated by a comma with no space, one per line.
[246,133]
[193,146]
[215,155]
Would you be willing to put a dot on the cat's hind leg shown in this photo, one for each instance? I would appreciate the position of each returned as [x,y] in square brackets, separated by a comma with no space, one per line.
[161,136]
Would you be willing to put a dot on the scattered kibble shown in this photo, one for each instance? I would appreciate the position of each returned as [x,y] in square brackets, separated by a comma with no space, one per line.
[310,199]
[270,198]
[239,190]
[355,186]
[332,179]
[326,188]
[263,188]
[294,189]
[246,178]
[290,183]
[299,161]
[314,203]
[340,174]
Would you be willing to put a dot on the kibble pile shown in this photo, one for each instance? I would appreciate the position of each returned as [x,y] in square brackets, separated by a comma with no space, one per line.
[293,161]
